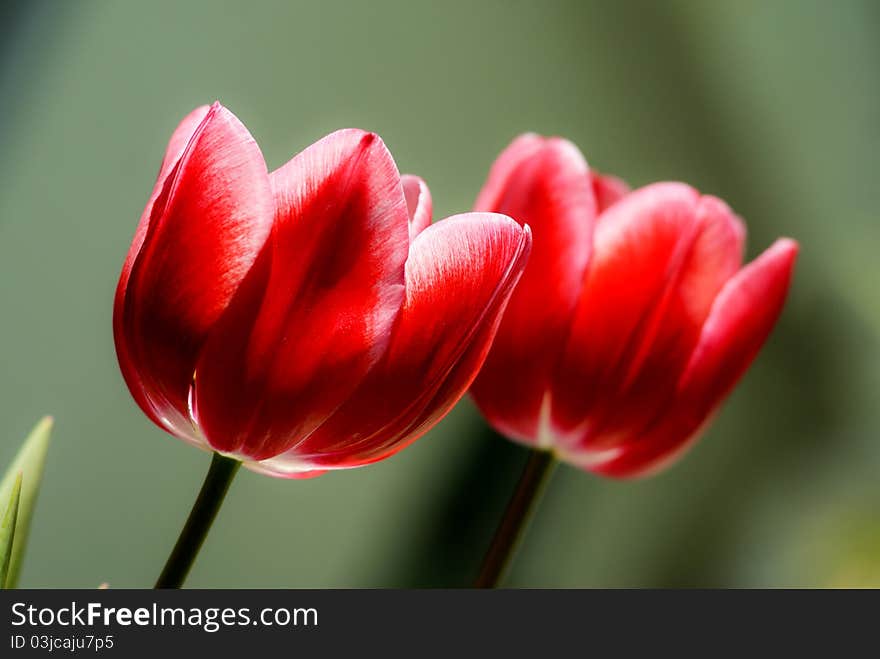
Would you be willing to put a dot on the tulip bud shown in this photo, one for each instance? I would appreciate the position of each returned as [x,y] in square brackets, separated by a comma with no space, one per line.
[307,319]
[634,318]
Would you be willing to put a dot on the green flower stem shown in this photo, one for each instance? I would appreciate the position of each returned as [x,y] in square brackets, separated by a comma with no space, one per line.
[202,515]
[516,518]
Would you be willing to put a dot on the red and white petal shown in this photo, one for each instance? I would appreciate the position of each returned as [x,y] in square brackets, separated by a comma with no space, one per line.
[608,190]
[283,467]
[176,146]
[459,276]
[741,319]
[418,204]
[517,152]
[716,256]
[318,314]
[180,139]
[206,223]
[546,184]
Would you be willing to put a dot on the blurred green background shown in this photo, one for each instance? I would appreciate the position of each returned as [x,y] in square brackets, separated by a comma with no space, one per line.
[772,105]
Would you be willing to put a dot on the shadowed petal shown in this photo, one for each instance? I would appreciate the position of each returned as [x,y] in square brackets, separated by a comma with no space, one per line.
[608,190]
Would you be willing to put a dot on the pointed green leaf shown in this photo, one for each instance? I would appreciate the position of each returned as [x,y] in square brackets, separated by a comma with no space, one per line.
[7,529]
[29,463]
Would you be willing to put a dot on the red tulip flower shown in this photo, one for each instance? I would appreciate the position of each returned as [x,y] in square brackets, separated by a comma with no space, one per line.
[307,319]
[634,318]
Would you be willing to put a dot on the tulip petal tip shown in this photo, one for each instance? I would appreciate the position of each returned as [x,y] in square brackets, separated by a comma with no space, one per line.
[789,245]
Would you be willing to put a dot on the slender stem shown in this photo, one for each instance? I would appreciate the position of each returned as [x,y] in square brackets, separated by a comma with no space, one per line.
[516,518]
[204,510]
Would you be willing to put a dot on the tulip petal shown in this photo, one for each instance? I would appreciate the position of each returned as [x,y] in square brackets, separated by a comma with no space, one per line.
[204,226]
[545,183]
[176,146]
[661,257]
[459,276]
[741,319]
[418,204]
[318,310]
[608,190]
[638,245]
[519,151]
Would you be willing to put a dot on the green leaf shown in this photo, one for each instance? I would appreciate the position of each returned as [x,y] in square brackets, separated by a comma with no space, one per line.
[29,465]
[7,530]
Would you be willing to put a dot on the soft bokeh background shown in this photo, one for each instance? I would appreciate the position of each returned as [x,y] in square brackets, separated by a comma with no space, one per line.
[775,106]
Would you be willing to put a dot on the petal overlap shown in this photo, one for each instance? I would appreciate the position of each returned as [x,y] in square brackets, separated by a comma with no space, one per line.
[459,276]
[648,341]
